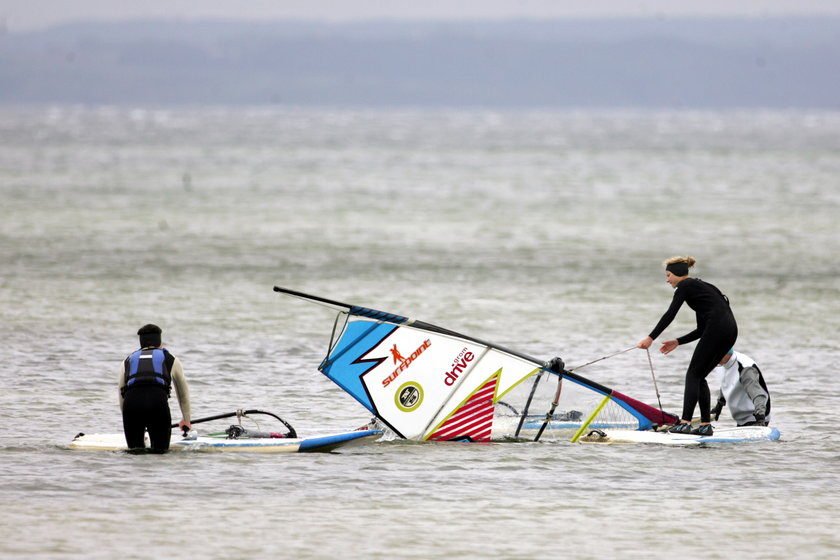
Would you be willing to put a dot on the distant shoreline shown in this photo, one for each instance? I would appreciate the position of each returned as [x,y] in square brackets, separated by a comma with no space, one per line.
[647,63]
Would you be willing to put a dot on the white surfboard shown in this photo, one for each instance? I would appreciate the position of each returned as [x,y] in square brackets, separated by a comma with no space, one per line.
[722,435]
[324,442]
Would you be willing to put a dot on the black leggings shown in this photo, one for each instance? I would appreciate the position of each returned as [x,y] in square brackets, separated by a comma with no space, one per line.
[147,408]
[714,343]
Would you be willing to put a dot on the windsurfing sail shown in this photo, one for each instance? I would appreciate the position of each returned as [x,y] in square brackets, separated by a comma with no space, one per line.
[429,383]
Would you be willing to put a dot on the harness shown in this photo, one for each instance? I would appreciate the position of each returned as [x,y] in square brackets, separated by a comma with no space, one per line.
[149,366]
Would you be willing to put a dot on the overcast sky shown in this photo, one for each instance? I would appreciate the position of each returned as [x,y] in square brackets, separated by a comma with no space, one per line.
[24,15]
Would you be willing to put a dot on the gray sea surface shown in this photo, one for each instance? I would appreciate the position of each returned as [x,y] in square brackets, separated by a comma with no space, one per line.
[541,231]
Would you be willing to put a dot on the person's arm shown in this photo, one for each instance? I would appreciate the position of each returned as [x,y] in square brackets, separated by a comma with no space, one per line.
[670,345]
[693,335]
[182,390]
[749,379]
[669,315]
[663,323]
[121,385]
[718,408]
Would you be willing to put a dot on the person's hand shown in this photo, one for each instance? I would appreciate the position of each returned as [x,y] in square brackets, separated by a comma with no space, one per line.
[184,424]
[759,419]
[645,343]
[668,346]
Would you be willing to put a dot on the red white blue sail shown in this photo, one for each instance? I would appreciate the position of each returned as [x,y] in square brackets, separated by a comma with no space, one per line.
[429,383]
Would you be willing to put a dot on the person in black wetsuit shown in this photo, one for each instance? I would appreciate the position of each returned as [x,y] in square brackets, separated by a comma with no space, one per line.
[716,331]
[145,381]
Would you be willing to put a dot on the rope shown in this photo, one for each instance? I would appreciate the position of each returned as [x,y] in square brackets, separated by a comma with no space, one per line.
[653,375]
[603,358]
[650,363]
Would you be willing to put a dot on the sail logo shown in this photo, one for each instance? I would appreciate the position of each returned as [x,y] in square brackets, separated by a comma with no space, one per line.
[404,362]
[409,396]
[396,355]
[458,366]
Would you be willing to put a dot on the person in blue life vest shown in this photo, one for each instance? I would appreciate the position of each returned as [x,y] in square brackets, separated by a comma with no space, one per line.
[145,383]
[743,390]
[716,331]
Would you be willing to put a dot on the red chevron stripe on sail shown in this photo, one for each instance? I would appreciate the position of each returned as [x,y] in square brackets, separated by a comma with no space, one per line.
[473,420]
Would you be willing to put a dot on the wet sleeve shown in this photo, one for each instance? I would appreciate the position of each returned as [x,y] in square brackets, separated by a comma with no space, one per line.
[121,384]
[669,316]
[693,335]
[749,379]
[181,388]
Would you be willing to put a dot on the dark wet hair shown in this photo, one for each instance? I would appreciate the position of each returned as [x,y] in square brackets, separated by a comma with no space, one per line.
[150,335]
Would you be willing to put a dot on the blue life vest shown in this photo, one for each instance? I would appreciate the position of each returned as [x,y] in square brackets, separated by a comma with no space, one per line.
[149,367]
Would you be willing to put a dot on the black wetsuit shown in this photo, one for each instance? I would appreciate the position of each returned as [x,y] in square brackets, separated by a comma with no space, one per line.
[147,408]
[717,331]
[146,394]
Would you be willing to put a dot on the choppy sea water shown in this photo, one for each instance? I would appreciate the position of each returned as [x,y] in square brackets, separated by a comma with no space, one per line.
[541,231]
